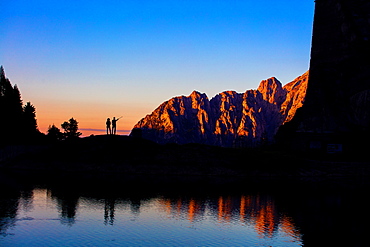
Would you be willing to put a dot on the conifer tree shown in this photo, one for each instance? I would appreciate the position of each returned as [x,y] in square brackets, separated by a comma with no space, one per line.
[16,114]
[54,133]
[17,123]
[10,105]
[5,85]
[29,119]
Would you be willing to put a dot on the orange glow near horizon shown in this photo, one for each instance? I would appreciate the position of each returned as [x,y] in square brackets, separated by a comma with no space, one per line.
[90,116]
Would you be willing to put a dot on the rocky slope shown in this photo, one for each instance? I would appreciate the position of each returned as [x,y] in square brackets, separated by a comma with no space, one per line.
[230,119]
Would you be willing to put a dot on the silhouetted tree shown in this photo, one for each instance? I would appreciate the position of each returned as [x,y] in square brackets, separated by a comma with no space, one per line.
[16,114]
[11,111]
[18,123]
[71,129]
[5,85]
[16,101]
[54,133]
[29,120]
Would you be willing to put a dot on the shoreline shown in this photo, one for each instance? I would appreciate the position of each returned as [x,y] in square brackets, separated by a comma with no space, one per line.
[127,155]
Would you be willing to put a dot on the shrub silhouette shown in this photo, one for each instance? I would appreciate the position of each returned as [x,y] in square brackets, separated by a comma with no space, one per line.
[71,129]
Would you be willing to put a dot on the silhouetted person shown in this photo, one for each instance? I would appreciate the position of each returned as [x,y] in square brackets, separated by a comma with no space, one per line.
[108,126]
[114,125]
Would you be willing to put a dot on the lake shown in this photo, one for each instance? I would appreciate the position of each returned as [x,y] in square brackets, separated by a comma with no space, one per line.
[114,210]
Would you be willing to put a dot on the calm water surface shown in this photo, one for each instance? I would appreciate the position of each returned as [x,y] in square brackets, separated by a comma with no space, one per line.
[157,212]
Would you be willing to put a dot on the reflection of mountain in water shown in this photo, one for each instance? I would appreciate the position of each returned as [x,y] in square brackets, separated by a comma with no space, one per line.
[257,211]
[70,202]
[310,212]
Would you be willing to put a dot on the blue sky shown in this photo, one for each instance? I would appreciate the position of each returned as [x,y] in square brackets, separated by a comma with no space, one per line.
[97,59]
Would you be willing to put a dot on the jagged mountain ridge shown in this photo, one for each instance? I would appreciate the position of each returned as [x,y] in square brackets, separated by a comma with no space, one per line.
[229,119]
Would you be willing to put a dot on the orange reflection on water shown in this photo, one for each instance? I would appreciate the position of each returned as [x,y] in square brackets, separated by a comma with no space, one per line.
[245,204]
[188,210]
[220,207]
[288,227]
[257,211]
[167,205]
[224,208]
[192,210]
[179,206]
[266,222]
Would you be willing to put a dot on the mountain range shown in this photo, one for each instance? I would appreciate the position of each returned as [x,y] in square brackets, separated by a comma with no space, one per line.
[229,119]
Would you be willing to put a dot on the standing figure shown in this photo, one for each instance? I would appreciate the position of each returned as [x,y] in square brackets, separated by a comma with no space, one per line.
[108,126]
[114,125]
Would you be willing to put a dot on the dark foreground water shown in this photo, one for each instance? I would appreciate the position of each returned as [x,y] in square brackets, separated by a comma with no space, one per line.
[60,210]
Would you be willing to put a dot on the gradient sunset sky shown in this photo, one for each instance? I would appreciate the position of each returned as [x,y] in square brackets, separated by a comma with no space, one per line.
[96,59]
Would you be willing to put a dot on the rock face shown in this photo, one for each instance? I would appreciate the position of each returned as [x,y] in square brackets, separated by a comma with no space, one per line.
[339,67]
[337,105]
[230,119]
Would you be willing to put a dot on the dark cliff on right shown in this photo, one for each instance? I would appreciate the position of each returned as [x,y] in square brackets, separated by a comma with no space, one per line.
[336,114]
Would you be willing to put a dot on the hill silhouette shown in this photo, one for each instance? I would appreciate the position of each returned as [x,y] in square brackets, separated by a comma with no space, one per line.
[129,155]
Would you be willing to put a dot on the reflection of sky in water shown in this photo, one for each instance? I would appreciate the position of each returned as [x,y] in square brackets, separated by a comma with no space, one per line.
[48,219]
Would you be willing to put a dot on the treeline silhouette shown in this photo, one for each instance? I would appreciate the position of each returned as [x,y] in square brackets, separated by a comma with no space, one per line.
[70,128]
[18,122]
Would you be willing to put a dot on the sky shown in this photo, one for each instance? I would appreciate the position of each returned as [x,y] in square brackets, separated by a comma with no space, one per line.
[91,60]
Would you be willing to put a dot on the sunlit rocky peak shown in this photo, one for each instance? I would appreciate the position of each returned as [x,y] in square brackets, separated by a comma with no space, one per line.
[229,119]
